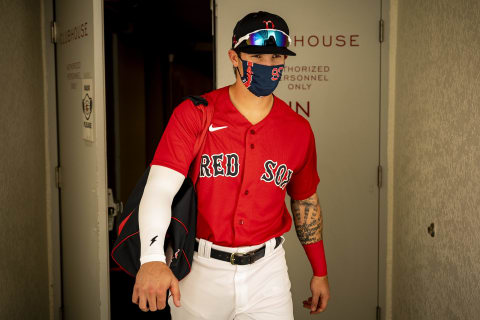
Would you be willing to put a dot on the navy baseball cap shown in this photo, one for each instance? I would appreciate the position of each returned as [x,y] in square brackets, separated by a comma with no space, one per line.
[262,32]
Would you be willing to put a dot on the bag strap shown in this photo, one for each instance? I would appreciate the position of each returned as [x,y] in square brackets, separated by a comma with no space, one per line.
[206,103]
[202,104]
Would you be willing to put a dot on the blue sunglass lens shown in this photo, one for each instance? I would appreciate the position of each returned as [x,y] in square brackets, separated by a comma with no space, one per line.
[262,38]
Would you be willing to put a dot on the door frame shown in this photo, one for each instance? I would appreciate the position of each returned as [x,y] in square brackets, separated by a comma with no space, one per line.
[52,152]
[51,157]
[385,196]
[101,143]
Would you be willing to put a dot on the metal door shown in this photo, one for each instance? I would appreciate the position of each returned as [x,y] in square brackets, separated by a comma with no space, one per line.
[334,82]
[82,149]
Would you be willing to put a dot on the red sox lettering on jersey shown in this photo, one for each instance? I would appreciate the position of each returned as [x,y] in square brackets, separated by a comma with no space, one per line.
[212,166]
[245,169]
[282,174]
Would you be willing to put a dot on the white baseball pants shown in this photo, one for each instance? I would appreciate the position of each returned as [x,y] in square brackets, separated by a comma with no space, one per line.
[218,290]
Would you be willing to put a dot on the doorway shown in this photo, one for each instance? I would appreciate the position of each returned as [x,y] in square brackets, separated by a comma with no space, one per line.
[334,82]
[156,53]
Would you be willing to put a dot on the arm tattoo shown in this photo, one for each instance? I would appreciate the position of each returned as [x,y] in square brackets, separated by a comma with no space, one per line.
[308,219]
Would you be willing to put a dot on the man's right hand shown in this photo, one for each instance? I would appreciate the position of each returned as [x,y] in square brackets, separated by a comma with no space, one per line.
[152,281]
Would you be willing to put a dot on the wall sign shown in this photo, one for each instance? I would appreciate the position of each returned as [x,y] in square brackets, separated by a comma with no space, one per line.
[88,111]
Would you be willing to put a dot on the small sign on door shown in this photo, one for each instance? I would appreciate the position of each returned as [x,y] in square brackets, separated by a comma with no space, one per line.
[88,118]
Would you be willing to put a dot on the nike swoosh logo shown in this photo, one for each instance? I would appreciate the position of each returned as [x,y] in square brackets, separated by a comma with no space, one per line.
[211,128]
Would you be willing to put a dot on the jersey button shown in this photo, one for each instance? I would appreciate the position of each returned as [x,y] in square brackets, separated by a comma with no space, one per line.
[252,131]
[241,221]
[246,191]
[252,146]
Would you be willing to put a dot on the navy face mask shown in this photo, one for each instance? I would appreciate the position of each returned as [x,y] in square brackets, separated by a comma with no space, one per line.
[259,79]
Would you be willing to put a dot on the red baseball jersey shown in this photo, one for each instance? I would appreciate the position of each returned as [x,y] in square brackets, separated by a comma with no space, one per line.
[245,169]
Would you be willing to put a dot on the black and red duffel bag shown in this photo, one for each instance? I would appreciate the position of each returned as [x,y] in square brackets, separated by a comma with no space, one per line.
[180,238]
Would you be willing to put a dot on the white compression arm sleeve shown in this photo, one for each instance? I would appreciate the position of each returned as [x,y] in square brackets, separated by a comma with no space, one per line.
[155,211]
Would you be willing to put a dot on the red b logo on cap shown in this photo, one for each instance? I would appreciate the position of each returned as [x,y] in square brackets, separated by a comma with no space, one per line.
[267,26]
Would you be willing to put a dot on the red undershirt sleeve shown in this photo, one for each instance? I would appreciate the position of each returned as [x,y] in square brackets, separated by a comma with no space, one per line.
[316,255]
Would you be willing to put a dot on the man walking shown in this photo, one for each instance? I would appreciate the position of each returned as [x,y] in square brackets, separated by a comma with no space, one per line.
[256,150]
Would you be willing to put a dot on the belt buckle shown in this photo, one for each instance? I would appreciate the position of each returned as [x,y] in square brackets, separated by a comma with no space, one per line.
[240,254]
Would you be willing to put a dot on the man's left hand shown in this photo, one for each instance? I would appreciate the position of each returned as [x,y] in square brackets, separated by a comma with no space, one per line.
[320,295]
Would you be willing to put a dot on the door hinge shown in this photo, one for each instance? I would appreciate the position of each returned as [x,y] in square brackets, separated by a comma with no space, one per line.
[212,9]
[114,208]
[53,32]
[381,30]
[379,176]
[379,313]
[58,177]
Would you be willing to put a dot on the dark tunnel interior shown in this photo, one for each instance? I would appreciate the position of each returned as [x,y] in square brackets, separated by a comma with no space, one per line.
[156,53]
